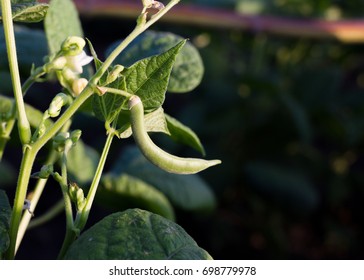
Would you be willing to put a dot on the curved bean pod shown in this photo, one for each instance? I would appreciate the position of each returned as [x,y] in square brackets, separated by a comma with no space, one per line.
[156,155]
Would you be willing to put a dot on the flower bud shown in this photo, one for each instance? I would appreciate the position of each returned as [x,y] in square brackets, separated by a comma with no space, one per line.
[77,196]
[73,45]
[57,103]
[59,141]
[79,85]
[114,74]
[75,135]
[44,172]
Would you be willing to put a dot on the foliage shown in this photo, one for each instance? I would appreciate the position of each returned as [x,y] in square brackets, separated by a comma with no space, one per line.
[105,92]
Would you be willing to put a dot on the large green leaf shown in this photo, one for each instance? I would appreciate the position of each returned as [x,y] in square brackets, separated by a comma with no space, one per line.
[188,192]
[82,162]
[5,211]
[135,235]
[183,134]
[188,68]
[148,78]
[120,192]
[107,106]
[61,22]
[28,11]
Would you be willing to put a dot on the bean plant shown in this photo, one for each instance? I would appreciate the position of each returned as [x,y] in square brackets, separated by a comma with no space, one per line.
[126,92]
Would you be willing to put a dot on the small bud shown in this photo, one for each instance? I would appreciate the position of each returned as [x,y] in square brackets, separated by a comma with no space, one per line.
[73,45]
[44,172]
[75,135]
[157,5]
[57,64]
[142,19]
[68,75]
[114,74]
[59,141]
[79,85]
[57,103]
[77,196]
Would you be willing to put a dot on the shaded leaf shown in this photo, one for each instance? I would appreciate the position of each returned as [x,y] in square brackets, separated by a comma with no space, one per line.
[125,191]
[82,162]
[28,11]
[188,68]
[5,211]
[187,192]
[135,235]
[183,134]
[61,22]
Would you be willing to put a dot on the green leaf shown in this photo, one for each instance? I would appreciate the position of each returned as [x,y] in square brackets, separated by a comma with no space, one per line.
[183,134]
[28,11]
[135,235]
[5,211]
[148,78]
[187,70]
[61,22]
[124,191]
[107,106]
[82,162]
[154,122]
[187,192]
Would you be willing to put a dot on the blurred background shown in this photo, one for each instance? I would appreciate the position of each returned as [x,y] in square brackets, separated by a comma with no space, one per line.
[282,105]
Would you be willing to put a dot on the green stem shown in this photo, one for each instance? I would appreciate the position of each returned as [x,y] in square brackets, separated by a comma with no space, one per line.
[117,91]
[30,81]
[23,226]
[70,229]
[140,28]
[20,195]
[23,123]
[82,218]
[31,150]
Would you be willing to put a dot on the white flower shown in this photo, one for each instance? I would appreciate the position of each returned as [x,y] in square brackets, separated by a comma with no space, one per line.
[76,62]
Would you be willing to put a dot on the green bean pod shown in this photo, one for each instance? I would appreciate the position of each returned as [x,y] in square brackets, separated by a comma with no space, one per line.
[156,155]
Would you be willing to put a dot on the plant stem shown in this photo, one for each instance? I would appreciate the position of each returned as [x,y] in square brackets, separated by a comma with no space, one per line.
[118,92]
[31,150]
[70,229]
[82,218]
[20,195]
[140,28]
[23,226]
[23,123]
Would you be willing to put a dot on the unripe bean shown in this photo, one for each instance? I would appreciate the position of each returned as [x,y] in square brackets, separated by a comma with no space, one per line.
[156,155]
